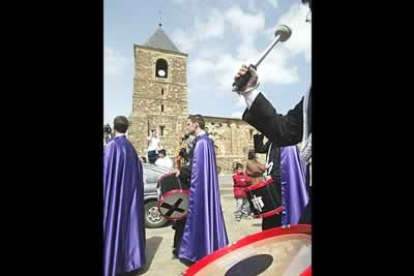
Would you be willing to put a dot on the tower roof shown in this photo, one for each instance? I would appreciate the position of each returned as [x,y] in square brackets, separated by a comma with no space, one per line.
[160,40]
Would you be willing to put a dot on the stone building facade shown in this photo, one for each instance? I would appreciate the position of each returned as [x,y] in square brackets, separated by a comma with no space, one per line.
[160,102]
[233,138]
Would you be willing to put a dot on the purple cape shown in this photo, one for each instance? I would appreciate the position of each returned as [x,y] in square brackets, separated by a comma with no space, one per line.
[123,222]
[205,231]
[294,194]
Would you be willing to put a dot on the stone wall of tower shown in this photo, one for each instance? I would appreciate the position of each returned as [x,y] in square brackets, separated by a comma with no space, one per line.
[151,94]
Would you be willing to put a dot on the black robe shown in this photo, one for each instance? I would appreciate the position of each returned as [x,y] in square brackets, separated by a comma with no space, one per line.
[185,179]
[282,131]
[273,170]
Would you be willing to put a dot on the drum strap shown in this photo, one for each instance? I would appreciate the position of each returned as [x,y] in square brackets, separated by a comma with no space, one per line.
[269,162]
[179,183]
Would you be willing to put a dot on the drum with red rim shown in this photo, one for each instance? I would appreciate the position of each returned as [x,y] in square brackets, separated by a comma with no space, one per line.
[264,199]
[274,252]
[172,197]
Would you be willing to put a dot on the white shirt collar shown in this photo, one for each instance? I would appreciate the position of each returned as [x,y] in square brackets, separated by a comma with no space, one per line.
[202,132]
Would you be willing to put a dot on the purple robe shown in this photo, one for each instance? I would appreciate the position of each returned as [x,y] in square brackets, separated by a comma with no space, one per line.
[294,194]
[205,230]
[123,222]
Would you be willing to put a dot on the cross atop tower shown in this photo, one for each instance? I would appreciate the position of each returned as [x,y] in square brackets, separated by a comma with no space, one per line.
[160,13]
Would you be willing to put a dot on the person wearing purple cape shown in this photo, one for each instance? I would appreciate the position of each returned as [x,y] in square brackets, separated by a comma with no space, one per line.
[293,185]
[123,221]
[205,230]
[284,165]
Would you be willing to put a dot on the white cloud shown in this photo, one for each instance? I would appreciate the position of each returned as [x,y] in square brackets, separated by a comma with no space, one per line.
[276,68]
[241,102]
[114,62]
[257,5]
[244,24]
[212,66]
[210,27]
[183,1]
[300,41]
[252,5]
[201,66]
[214,27]
[184,40]
[274,3]
[210,51]
[237,114]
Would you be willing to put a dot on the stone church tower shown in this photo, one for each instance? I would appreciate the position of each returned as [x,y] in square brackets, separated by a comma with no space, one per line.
[160,102]
[160,93]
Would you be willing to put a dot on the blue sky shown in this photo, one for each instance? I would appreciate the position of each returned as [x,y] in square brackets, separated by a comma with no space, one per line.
[218,36]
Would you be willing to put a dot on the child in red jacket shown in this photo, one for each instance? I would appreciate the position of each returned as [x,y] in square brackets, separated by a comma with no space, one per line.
[241,181]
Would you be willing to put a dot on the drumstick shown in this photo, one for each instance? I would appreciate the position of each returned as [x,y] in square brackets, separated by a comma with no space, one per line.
[282,34]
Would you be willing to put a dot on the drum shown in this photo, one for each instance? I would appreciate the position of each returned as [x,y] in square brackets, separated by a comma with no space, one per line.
[274,252]
[264,199]
[172,197]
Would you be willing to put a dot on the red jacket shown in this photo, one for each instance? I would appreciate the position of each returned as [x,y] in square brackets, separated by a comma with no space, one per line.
[240,181]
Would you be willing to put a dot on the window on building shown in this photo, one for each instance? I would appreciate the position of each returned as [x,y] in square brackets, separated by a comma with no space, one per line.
[162,91]
[161,68]
[162,108]
[162,129]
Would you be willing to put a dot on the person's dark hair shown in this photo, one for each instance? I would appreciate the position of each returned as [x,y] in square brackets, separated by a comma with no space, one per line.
[121,124]
[198,119]
[185,137]
[183,153]
[152,130]
[162,152]
[238,166]
[251,154]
